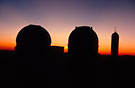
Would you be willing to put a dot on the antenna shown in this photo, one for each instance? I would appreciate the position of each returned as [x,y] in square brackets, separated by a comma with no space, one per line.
[115,29]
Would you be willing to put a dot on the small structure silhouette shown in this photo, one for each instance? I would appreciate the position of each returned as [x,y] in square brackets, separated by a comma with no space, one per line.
[57,50]
[115,44]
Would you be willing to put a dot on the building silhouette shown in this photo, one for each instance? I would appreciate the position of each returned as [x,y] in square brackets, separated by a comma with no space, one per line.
[83,56]
[32,40]
[115,44]
[57,50]
[32,47]
[32,55]
[83,41]
[82,48]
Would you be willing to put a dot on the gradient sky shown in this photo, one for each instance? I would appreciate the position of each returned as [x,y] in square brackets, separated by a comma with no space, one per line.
[60,17]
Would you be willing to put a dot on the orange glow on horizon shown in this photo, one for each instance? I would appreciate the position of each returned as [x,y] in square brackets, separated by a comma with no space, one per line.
[7,46]
[100,51]
[65,49]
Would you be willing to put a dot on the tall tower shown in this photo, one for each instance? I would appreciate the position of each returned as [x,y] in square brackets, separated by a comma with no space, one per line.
[115,44]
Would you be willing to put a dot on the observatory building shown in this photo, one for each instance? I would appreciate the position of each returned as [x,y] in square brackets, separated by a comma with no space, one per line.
[32,38]
[83,40]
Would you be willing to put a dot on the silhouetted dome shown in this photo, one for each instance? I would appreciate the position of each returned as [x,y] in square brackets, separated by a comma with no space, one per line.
[32,37]
[83,39]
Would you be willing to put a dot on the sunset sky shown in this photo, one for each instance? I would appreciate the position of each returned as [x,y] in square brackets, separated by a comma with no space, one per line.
[59,18]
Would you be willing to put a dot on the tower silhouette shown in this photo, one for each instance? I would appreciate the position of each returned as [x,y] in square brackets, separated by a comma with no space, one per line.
[115,44]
